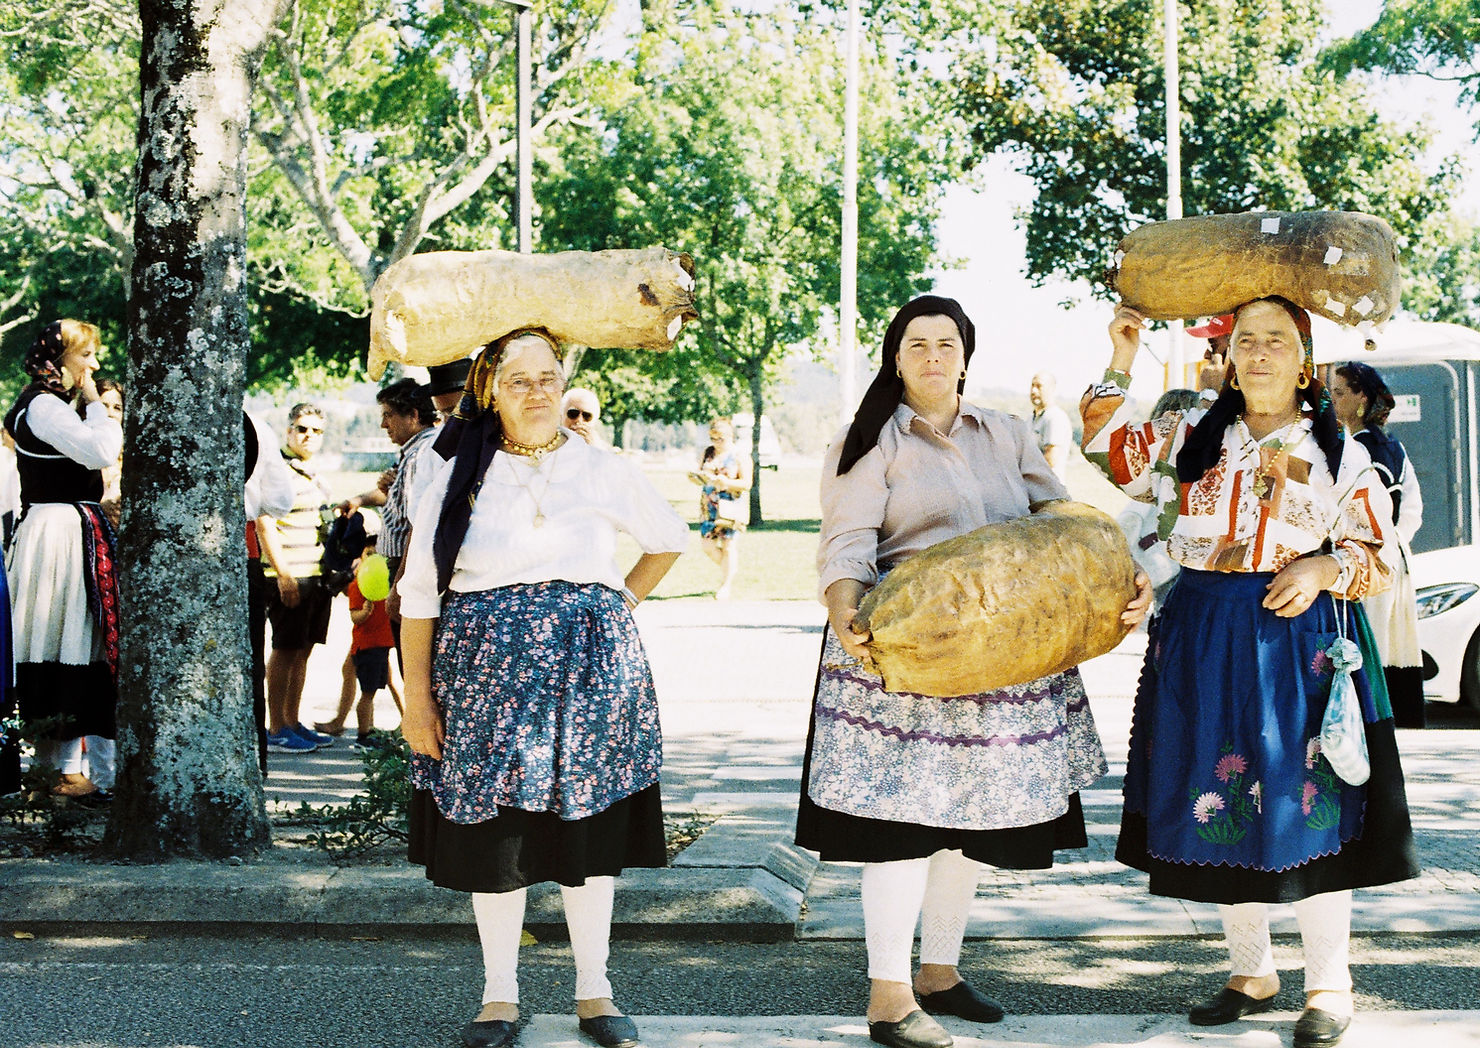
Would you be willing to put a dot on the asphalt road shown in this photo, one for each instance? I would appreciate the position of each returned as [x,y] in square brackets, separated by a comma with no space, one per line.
[186,990]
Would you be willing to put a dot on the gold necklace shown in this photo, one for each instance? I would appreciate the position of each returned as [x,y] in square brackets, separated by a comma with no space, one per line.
[534,451]
[1279,448]
[539,515]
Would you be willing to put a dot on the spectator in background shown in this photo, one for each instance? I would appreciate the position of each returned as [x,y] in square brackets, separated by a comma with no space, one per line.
[370,652]
[724,473]
[64,589]
[579,412]
[1362,401]
[1051,426]
[110,395]
[269,491]
[445,383]
[298,602]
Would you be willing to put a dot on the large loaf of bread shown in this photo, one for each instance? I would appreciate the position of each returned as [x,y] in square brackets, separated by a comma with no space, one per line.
[1004,605]
[1340,264]
[440,306]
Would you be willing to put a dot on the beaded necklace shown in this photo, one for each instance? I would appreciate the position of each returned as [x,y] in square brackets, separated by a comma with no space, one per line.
[534,451]
[1279,444]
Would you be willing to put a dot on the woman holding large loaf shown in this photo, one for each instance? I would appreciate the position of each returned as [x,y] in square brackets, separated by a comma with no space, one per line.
[1277,522]
[923,790]
[529,701]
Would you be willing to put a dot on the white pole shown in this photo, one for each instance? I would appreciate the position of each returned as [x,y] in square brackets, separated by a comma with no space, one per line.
[848,306]
[525,148]
[1176,368]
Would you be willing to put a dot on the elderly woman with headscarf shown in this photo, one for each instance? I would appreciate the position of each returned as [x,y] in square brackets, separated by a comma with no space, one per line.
[1231,796]
[1362,401]
[64,590]
[920,789]
[529,701]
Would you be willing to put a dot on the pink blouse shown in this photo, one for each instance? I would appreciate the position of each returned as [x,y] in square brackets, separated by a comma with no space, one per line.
[920,486]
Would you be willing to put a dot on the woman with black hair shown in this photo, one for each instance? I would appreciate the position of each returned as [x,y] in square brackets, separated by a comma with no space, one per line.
[1228,795]
[923,790]
[64,586]
[1363,401]
[529,701]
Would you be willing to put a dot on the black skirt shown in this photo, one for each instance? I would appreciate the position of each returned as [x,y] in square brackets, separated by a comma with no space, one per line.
[840,837]
[520,848]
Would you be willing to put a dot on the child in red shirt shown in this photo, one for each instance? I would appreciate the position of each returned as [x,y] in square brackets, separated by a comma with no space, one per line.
[370,650]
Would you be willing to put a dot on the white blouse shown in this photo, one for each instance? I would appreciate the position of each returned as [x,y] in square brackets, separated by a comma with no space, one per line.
[585,495]
[94,442]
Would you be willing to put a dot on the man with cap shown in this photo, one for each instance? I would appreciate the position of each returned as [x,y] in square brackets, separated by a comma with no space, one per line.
[1218,330]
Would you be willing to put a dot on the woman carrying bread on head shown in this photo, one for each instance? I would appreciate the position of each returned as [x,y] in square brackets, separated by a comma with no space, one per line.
[1278,523]
[529,701]
[923,790]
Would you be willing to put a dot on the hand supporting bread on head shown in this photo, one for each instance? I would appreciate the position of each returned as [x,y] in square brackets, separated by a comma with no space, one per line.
[1125,337]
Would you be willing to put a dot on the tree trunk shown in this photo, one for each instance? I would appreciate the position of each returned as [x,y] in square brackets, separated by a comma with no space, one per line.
[757,406]
[188,783]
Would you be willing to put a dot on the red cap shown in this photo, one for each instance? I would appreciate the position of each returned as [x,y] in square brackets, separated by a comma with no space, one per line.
[1214,328]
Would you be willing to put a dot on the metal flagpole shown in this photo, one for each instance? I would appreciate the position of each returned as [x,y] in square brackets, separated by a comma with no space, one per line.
[848,306]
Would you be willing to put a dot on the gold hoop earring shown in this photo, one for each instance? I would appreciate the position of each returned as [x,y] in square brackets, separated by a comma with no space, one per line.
[1303,382]
[897,372]
[963,374]
[1233,381]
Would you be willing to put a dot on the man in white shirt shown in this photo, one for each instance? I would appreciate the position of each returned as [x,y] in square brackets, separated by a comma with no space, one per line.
[1051,426]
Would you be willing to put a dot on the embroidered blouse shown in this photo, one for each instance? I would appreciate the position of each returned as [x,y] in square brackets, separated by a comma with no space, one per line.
[1261,506]
[919,486]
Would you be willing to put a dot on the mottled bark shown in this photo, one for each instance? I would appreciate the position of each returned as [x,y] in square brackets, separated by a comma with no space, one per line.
[188,782]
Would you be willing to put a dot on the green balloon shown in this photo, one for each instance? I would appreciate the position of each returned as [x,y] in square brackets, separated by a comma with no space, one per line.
[374,577]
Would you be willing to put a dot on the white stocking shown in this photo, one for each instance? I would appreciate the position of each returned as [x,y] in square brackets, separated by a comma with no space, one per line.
[1325,932]
[949,891]
[65,757]
[500,923]
[102,761]
[892,893]
[588,915]
[1246,927]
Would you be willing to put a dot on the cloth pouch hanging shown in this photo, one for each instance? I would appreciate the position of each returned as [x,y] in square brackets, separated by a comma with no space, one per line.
[1343,735]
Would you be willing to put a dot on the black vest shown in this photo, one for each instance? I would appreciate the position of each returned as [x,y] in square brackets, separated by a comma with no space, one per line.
[1390,459]
[46,474]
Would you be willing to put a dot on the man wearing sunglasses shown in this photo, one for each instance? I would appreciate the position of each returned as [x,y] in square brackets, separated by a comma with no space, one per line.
[580,411]
[297,601]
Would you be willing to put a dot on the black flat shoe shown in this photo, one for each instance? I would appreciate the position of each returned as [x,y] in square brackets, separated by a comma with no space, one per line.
[963,1001]
[916,1030]
[1228,1006]
[490,1033]
[611,1031]
[1319,1028]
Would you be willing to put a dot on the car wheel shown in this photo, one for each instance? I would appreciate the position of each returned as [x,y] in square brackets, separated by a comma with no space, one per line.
[1469,675]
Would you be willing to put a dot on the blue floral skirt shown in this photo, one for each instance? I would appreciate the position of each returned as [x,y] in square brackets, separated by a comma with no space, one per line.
[1227,796]
[549,770]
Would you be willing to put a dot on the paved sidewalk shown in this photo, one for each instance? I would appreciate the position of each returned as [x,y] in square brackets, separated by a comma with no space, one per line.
[734,683]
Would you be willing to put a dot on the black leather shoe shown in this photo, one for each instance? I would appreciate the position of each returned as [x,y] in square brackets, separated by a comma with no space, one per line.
[1319,1028]
[1228,1006]
[490,1033]
[611,1031]
[916,1030]
[963,1001]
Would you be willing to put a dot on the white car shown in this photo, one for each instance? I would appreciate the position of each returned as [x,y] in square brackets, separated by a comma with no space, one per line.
[1447,582]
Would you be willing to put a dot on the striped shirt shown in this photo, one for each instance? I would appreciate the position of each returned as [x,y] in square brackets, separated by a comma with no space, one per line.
[396,515]
[300,543]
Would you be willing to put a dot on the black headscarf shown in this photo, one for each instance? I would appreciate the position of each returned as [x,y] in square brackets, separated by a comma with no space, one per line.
[887,389]
[470,438]
[44,361]
[1365,379]
[1205,443]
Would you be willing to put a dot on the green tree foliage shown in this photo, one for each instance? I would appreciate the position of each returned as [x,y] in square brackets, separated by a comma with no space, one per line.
[1073,90]
[729,146]
[1435,38]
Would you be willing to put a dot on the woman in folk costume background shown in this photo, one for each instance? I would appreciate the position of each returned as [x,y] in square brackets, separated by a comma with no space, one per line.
[1362,401]
[64,589]
[1229,797]
[529,701]
[920,789]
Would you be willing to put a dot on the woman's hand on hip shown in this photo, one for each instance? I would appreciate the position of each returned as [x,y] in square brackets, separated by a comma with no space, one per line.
[1298,584]
[421,725]
[1140,604]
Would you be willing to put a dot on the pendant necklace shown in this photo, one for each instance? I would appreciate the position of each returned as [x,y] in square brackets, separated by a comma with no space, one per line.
[539,515]
[1279,447]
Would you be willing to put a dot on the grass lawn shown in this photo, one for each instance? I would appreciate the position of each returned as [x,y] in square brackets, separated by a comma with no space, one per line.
[778,558]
